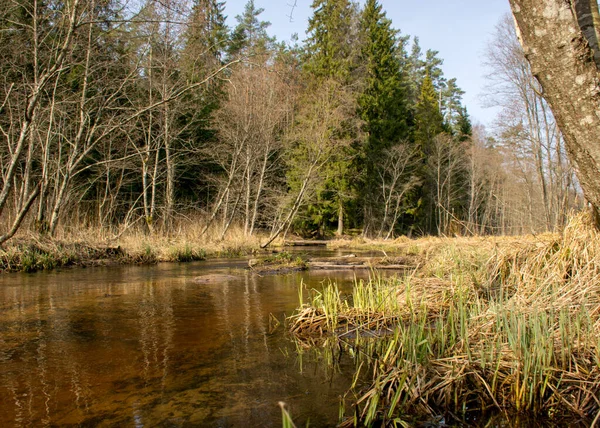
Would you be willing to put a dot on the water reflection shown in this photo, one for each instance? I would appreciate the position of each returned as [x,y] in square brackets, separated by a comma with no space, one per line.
[146,346]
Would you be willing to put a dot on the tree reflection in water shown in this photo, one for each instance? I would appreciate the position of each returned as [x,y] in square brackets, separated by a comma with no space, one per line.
[143,346]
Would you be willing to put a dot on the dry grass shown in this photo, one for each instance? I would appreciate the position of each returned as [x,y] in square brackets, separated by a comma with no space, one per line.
[86,245]
[501,323]
[277,263]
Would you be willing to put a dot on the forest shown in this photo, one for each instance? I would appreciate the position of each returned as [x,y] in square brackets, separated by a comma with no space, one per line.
[153,116]
[425,270]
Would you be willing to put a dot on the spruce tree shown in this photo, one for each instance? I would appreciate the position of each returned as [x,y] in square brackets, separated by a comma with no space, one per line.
[464,128]
[206,40]
[383,103]
[330,60]
[429,123]
[329,51]
[207,34]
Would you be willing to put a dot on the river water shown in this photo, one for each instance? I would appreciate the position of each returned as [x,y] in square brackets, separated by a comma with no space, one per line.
[146,346]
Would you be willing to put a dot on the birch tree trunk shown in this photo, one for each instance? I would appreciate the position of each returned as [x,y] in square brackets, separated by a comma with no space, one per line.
[556,36]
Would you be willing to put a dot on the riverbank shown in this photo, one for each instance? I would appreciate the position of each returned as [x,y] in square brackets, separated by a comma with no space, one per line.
[505,324]
[29,253]
[88,247]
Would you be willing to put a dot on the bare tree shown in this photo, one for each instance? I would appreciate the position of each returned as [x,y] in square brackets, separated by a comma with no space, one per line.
[445,163]
[312,143]
[528,126]
[559,39]
[87,85]
[396,179]
[23,104]
[251,123]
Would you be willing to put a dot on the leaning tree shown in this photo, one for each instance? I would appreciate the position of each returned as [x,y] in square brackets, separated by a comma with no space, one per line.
[560,41]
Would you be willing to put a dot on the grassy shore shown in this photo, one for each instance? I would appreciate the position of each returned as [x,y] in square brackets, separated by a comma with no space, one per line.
[509,324]
[85,247]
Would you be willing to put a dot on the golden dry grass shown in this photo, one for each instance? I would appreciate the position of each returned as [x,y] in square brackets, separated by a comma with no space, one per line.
[508,323]
[88,245]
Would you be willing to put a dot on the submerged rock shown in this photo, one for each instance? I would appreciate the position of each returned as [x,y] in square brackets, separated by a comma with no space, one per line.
[214,278]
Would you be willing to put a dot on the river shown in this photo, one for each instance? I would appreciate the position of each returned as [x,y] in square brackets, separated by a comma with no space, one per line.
[146,346]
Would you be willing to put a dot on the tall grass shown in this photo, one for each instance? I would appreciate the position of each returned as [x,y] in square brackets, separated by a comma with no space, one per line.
[30,256]
[84,245]
[512,327]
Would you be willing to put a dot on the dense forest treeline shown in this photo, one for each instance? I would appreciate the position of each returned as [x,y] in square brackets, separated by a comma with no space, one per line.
[116,115]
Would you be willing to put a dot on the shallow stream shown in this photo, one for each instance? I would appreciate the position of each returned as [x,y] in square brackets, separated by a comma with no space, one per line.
[147,346]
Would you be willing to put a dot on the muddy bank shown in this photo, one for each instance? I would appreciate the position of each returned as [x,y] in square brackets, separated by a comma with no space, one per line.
[28,256]
[31,255]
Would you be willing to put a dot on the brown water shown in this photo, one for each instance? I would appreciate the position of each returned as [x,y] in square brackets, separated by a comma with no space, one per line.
[146,346]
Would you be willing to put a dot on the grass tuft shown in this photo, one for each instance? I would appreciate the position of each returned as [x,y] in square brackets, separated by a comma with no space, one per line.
[187,253]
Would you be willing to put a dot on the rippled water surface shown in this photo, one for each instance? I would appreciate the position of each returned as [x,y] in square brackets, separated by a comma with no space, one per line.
[146,346]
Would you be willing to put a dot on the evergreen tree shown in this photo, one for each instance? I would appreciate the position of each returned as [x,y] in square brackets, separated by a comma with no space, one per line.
[419,67]
[328,48]
[464,128]
[432,67]
[329,63]
[383,103]
[206,41]
[451,103]
[206,35]
[429,121]
[249,37]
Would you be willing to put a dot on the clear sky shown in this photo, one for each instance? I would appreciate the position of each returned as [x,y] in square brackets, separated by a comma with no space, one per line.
[458,29]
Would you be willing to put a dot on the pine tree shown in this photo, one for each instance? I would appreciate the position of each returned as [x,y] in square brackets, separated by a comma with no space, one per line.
[249,37]
[451,103]
[419,67]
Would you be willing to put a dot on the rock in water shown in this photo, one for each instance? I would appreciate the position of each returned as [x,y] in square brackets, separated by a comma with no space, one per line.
[214,278]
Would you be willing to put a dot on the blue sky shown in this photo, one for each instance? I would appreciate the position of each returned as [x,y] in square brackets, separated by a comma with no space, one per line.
[458,29]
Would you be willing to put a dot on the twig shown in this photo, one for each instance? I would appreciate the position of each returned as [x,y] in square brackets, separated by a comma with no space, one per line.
[293,6]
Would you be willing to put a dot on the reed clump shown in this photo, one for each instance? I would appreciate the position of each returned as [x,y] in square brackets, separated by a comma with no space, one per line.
[512,327]
[186,253]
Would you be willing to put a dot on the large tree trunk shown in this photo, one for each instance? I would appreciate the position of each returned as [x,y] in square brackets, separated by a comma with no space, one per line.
[559,38]
[589,22]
